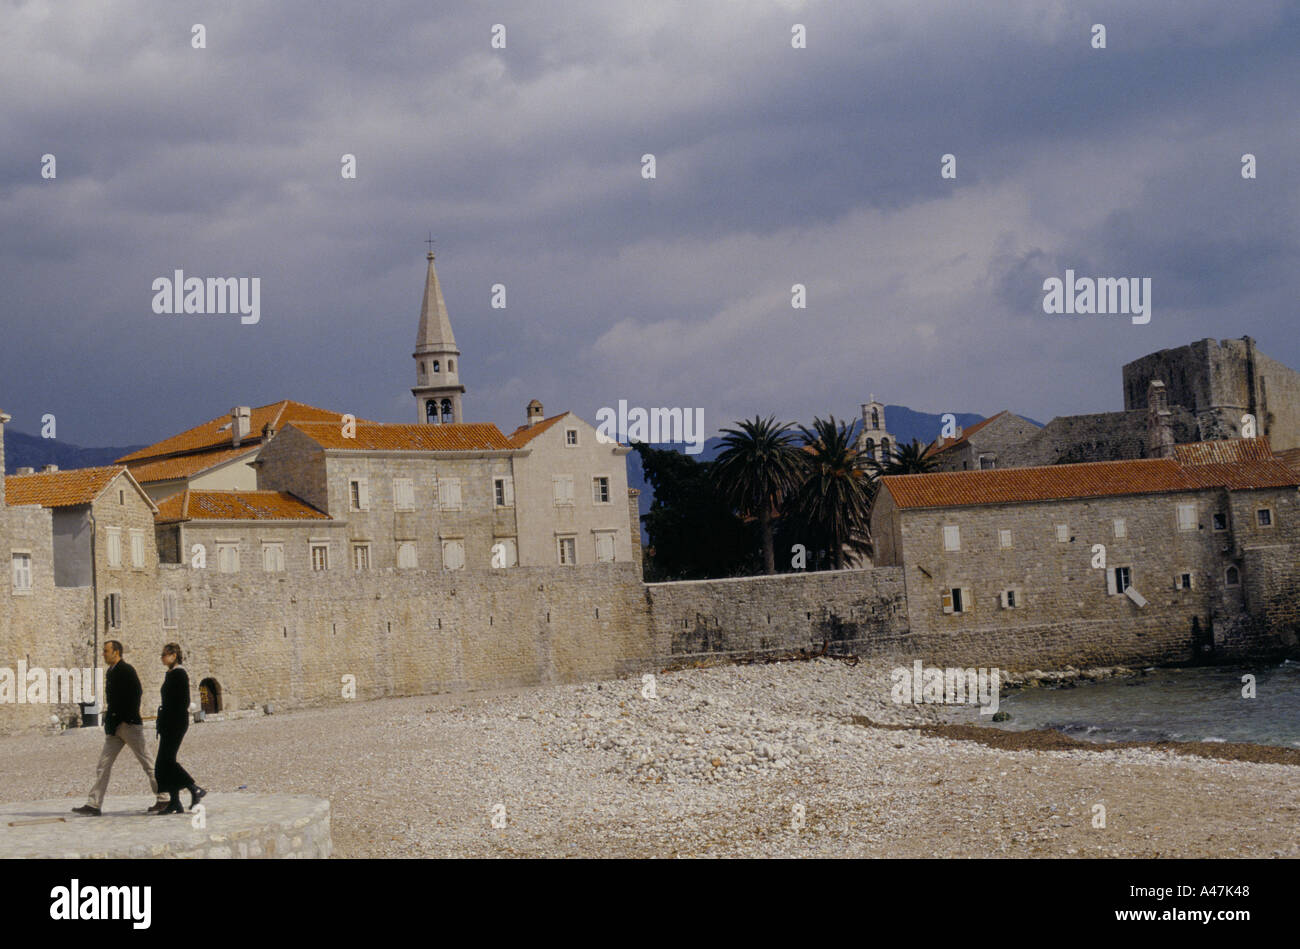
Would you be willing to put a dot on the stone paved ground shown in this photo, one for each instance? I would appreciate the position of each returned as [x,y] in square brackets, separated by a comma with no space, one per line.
[719,764]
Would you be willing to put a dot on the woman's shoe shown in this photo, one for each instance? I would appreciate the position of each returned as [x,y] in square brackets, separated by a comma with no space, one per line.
[173,807]
[196,795]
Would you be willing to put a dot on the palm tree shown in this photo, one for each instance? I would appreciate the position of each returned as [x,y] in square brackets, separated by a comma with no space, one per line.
[907,459]
[758,467]
[834,500]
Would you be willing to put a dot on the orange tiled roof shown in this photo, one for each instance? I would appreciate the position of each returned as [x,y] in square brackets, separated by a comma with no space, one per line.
[237,506]
[60,488]
[1228,450]
[1093,479]
[943,444]
[526,433]
[185,466]
[372,436]
[215,434]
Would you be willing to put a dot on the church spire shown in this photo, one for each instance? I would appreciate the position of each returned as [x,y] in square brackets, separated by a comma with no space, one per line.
[438,391]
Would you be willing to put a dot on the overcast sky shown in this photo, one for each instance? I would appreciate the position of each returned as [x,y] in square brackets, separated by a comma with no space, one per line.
[775,166]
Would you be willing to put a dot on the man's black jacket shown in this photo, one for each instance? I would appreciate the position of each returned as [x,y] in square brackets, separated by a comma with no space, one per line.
[122,693]
[173,717]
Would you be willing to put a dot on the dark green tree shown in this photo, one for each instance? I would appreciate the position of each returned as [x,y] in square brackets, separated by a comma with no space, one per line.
[759,467]
[833,503]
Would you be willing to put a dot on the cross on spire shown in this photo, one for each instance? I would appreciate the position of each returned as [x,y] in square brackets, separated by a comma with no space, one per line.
[430,243]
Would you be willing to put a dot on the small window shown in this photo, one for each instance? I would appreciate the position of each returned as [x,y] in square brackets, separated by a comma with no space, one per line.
[449,494]
[1187,517]
[360,556]
[957,600]
[1010,598]
[320,557]
[1004,538]
[228,558]
[571,438]
[273,558]
[453,555]
[1120,526]
[1232,577]
[1220,521]
[358,495]
[562,488]
[504,491]
[22,573]
[403,494]
[121,495]
[1121,578]
[451,365]
[1063,533]
[605,547]
[1264,517]
[406,555]
[170,609]
[600,490]
[437,366]
[137,549]
[568,550]
[951,537]
[113,610]
[1183,581]
[988,462]
[114,546]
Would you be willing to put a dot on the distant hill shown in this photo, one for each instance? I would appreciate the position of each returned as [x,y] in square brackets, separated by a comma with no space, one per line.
[30,451]
[903,423]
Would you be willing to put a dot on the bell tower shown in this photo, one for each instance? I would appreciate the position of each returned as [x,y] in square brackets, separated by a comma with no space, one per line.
[437,391]
[874,441]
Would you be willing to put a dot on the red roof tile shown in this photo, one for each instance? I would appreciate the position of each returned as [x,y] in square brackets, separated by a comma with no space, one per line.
[526,433]
[1228,450]
[186,466]
[215,434]
[60,488]
[371,436]
[237,506]
[1094,479]
[943,444]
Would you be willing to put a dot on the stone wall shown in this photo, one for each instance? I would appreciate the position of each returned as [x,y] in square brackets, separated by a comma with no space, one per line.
[1105,436]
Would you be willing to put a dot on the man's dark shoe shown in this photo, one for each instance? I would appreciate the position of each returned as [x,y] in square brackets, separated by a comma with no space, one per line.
[157,807]
[86,809]
[172,807]
[197,795]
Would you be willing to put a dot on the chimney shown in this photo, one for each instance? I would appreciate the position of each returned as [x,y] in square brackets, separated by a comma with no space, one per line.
[535,413]
[240,422]
[25,471]
[49,469]
[1160,428]
[4,420]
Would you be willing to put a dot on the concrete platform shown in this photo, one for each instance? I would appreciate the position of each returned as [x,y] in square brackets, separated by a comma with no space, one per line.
[237,825]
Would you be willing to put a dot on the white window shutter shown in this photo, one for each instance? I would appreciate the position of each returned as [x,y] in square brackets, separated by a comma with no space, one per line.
[1003,597]
[946,600]
[510,492]
[967,603]
[1111,587]
[363,493]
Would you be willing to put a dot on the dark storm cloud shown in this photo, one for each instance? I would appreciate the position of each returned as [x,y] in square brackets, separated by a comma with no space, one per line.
[775,166]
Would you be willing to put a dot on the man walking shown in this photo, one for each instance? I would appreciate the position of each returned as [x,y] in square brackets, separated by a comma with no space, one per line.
[123,725]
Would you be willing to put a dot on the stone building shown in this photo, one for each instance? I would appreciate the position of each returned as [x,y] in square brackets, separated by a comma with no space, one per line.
[1192,545]
[438,391]
[983,445]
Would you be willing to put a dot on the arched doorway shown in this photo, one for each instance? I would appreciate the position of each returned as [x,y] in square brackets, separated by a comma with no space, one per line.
[210,696]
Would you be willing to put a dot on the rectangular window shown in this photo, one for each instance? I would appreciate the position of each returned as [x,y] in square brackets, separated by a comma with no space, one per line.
[951,537]
[1183,581]
[228,558]
[320,556]
[600,490]
[988,462]
[406,555]
[568,550]
[1063,533]
[571,438]
[113,610]
[957,600]
[453,555]
[360,556]
[1004,538]
[22,573]
[1187,517]
[562,488]
[449,494]
[1220,522]
[358,495]
[137,549]
[1120,527]
[605,547]
[403,494]
[504,491]
[114,546]
[505,552]
[1264,517]
[273,558]
[1010,598]
[1119,579]
[170,607]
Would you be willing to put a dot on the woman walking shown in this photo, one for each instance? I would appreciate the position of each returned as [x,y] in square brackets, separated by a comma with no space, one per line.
[173,721]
